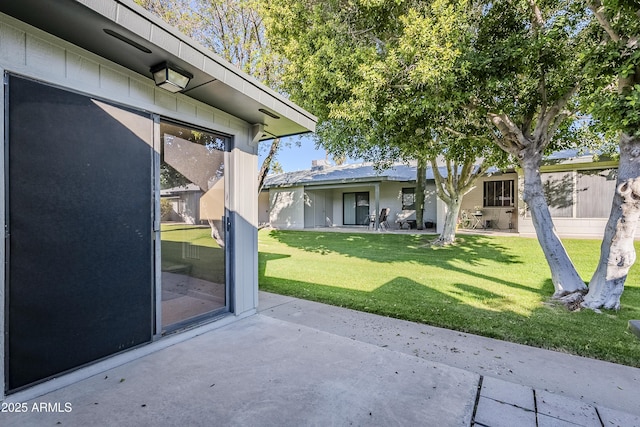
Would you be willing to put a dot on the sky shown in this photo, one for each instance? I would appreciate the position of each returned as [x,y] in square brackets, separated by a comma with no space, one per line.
[291,157]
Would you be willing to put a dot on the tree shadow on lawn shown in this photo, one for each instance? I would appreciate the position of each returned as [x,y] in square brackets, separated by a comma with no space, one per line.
[401,298]
[406,299]
[385,248]
[397,247]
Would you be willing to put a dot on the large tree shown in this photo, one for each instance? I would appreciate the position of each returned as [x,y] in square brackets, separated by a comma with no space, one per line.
[550,51]
[377,72]
[527,68]
[382,83]
[614,100]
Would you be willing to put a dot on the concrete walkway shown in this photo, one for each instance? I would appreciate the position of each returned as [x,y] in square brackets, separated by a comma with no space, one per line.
[517,383]
[299,363]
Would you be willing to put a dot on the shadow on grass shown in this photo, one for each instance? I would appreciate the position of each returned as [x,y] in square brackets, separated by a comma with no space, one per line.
[393,247]
[544,290]
[384,248]
[470,304]
[417,302]
[586,333]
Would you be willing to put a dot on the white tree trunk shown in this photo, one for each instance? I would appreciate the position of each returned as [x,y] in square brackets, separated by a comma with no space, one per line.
[564,276]
[451,191]
[215,233]
[421,181]
[448,234]
[617,253]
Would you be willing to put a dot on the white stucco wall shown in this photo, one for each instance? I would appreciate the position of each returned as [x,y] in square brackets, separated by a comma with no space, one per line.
[263,207]
[391,197]
[521,222]
[568,227]
[287,208]
[330,202]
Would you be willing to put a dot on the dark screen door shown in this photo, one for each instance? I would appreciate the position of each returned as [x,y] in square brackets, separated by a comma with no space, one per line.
[80,259]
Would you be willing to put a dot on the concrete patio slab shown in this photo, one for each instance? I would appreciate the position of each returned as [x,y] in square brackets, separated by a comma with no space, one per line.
[591,381]
[506,392]
[613,418]
[546,421]
[327,365]
[498,414]
[262,371]
[567,409]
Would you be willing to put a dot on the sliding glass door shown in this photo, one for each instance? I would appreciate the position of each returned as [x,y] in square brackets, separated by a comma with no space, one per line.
[87,184]
[193,225]
[355,208]
[79,249]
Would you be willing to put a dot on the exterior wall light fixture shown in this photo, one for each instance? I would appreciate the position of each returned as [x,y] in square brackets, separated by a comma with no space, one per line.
[170,77]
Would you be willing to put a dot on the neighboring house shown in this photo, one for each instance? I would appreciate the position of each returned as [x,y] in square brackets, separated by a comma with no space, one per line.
[341,196]
[93,275]
[185,204]
[579,191]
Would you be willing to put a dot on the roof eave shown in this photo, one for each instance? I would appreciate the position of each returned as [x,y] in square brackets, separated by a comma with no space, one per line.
[146,41]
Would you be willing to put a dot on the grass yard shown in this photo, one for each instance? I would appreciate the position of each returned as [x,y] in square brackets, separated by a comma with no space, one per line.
[487,285]
[209,264]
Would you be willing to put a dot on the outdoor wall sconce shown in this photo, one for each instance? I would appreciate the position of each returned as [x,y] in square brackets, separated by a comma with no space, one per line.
[170,77]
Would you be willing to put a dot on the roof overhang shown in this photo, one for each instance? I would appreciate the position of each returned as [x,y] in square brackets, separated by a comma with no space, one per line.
[137,40]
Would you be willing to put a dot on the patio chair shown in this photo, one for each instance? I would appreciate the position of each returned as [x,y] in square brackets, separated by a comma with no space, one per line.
[406,217]
[465,221]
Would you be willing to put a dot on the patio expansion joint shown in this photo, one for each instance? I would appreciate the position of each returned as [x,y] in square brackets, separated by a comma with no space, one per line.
[477,402]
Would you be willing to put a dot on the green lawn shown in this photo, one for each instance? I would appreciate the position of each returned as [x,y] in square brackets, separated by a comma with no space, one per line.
[492,286]
[180,239]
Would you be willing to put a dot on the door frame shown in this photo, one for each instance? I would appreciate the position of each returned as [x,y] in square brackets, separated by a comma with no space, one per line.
[344,206]
[228,307]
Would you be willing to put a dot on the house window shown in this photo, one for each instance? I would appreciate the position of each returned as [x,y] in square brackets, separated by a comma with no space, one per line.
[408,199]
[498,193]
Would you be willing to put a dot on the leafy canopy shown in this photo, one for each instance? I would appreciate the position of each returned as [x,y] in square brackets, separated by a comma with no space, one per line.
[384,77]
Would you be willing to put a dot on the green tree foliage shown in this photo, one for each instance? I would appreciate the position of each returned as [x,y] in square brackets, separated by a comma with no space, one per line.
[527,64]
[384,78]
[612,92]
[276,167]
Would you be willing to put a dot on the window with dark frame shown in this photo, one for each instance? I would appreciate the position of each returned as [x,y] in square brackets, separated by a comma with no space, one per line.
[498,193]
[408,198]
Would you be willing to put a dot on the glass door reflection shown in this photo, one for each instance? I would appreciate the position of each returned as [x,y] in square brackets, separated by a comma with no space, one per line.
[192,208]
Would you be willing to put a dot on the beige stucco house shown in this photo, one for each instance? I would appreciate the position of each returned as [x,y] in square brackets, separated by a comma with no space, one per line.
[579,191]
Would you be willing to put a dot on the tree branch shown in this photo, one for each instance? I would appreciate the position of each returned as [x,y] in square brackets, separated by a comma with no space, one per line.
[266,164]
[471,177]
[538,22]
[439,181]
[499,142]
[598,10]
[450,178]
[555,115]
[510,132]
